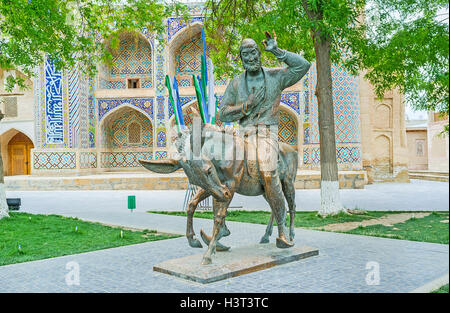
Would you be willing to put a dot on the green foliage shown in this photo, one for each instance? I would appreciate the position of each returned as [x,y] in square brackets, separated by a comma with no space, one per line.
[400,43]
[46,236]
[443,289]
[68,31]
[407,47]
[230,21]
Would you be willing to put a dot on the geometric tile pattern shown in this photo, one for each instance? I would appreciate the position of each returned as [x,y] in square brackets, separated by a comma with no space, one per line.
[133,58]
[54,160]
[344,155]
[348,154]
[91,113]
[106,105]
[123,159]
[287,129]
[86,97]
[74,106]
[175,24]
[291,99]
[160,155]
[188,60]
[116,84]
[121,127]
[345,103]
[161,136]
[183,101]
[88,160]
[146,83]
[160,120]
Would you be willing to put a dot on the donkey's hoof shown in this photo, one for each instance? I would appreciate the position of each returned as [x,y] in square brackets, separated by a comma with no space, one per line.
[206,261]
[282,243]
[195,243]
[264,239]
[207,239]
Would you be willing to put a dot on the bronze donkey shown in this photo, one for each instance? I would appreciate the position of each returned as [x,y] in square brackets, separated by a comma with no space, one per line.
[222,168]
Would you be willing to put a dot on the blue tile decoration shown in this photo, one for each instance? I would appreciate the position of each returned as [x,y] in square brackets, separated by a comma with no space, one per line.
[106,105]
[54,120]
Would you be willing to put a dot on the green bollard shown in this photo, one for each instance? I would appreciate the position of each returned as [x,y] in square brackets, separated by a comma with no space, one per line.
[131,203]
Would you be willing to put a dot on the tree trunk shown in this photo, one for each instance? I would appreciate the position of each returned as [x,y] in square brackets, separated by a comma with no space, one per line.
[330,200]
[3,204]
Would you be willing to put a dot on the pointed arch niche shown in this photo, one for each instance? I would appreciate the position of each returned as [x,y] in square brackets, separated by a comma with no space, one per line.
[185,50]
[126,128]
[132,64]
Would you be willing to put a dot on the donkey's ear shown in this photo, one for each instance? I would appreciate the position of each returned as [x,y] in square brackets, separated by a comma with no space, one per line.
[161,166]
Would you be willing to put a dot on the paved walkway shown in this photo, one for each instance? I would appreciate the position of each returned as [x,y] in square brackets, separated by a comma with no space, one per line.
[417,195]
[345,262]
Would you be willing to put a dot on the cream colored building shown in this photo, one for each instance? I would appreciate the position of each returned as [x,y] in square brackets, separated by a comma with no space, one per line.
[416,133]
[437,143]
[17,127]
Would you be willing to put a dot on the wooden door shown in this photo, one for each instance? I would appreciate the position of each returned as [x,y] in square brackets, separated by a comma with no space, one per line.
[19,150]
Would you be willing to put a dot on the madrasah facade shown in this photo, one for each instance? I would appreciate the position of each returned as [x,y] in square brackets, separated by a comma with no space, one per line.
[66,124]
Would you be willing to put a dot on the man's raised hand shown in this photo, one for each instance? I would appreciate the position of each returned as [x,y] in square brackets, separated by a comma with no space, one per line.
[270,43]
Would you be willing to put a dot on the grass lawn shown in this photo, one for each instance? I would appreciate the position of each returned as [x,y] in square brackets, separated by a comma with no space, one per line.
[443,289]
[27,237]
[302,219]
[427,229]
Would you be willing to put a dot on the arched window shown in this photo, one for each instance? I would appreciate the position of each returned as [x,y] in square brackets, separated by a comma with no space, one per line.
[134,133]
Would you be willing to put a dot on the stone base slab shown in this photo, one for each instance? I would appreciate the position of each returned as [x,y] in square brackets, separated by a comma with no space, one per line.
[235,262]
[151,181]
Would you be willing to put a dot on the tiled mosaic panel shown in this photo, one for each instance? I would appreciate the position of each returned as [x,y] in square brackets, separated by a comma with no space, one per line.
[118,136]
[287,129]
[54,160]
[91,112]
[134,58]
[84,104]
[183,101]
[343,155]
[88,160]
[291,99]
[146,83]
[106,105]
[161,139]
[345,101]
[37,88]
[160,155]
[116,84]
[74,107]
[123,159]
[175,24]
[188,60]
[159,68]
[54,120]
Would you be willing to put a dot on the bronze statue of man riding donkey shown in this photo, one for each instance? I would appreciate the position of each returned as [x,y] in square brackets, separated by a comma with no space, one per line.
[250,163]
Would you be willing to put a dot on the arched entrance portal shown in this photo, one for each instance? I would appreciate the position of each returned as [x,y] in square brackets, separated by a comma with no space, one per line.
[19,155]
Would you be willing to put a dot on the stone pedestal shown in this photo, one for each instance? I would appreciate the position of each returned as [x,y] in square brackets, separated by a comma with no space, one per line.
[237,261]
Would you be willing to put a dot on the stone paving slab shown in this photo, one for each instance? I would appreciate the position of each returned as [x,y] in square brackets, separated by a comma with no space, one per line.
[232,263]
[345,264]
